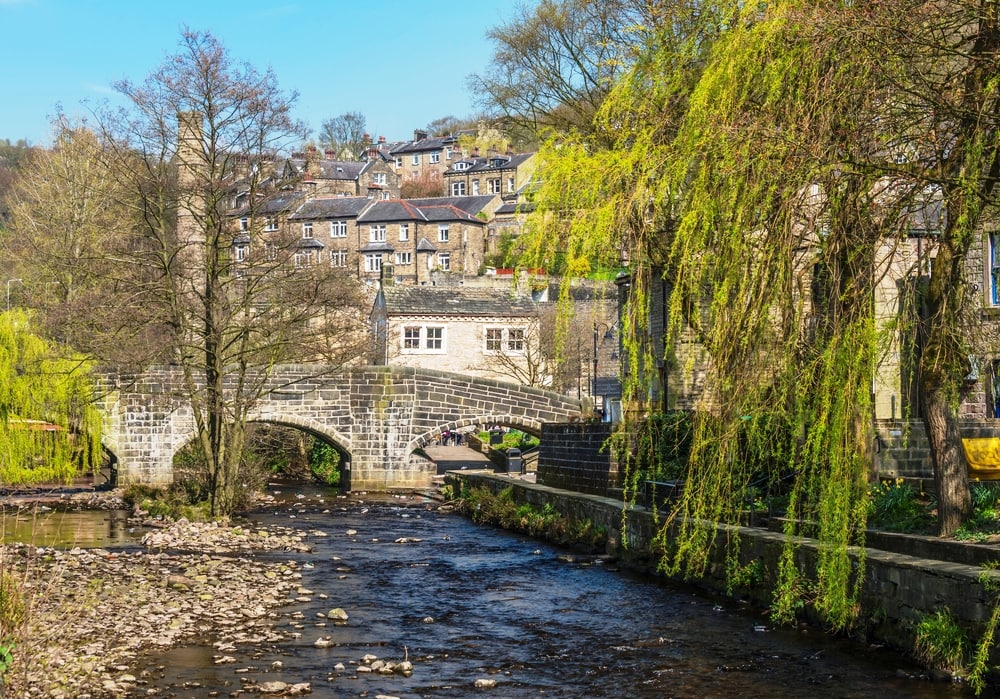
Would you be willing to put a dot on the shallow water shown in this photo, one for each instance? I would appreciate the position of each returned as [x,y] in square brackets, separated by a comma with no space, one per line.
[88,528]
[464,602]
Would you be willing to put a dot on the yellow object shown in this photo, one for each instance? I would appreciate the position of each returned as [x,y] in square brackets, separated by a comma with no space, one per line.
[983,456]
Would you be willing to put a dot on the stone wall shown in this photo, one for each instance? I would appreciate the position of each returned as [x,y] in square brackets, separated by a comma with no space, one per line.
[572,456]
[899,587]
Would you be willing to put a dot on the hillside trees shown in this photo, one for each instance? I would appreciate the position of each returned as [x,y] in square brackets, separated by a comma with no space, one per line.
[344,135]
[768,163]
[195,276]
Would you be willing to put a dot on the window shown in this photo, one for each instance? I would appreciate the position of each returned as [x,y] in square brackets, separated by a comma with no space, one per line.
[994,270]
[458,189]
[373,262]
[303,258]
[494,339]
[493,185]
[404,232]
[515,339]
[447,153]
[415,159]
[416,338]
[338,229]
[399,162]
[378,178]
[239,253]
[444,261]
[307,229]
[270,252]
[244,224]
[411,338]
[510,184]
[404,258]
[435,157]
[270,223]
[338,258]
[505,340]
[435,338]
[376,233]
[443,233]
[475,188]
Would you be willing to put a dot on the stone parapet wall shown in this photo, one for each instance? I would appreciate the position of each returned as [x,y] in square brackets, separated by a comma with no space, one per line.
[899,588]
[572,456]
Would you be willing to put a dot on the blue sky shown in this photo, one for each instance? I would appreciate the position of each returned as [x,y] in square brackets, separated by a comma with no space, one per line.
[401,63]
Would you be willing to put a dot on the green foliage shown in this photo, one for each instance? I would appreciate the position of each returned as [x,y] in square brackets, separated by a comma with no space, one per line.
[503,511]
[324,463]
[985,520]
[49,430]
[940,642]
[895,505]
[512,439]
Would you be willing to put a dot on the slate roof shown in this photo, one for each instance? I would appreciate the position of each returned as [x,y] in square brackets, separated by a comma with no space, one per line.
[280,203]
[490,162]
[513,207]
[424,144]
[456,301]
[331,208]
[432,209]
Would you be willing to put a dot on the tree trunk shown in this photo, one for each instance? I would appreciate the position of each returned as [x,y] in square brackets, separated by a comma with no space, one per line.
[951,476]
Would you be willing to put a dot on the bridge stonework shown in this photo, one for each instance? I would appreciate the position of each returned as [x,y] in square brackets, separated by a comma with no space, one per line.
[375,416]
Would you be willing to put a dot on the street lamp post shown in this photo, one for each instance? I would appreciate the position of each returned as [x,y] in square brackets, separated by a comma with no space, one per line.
[9,282]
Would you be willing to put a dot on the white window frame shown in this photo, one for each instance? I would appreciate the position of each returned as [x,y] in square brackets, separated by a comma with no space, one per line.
[376,233]
[404,232]
[338,258]
[270,223]
[475,188]
[435,157]
[378,178]
[244,224]
[458,188]
[307,229]
[493,185]
[493,340]
[404,258]
[510,184]
[505,340]
[411,337]
[415,160]
[515,340]
[338,229]
[240,253]
[444,261]
[373,262]
[399,162]
[434,338]
[444,233]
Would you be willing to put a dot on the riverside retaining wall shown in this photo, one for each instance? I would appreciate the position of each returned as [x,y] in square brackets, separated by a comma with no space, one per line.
[898,589]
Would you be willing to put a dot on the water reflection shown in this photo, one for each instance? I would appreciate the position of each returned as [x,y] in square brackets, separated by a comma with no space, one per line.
[87,529]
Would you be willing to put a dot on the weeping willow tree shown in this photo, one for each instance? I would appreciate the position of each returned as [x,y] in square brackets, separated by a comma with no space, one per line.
[763,161]
[49,429]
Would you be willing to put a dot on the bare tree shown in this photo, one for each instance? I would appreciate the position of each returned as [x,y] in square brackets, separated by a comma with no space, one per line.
[237,292]
[344,135]
[554,63]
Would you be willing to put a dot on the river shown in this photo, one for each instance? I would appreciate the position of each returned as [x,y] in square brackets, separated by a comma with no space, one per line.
[466,603]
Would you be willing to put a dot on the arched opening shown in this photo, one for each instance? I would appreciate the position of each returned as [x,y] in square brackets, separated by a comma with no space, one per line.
[274,452]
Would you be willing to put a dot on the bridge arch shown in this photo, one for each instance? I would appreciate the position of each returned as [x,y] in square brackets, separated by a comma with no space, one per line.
[377,415]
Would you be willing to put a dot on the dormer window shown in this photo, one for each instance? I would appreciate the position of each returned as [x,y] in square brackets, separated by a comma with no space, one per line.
[498,162]
[463,165]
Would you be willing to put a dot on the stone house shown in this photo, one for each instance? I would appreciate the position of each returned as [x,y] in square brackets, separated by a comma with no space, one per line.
[505,174]
[329,230]
[411,241]
[323,176]
[478,332]
[425,156]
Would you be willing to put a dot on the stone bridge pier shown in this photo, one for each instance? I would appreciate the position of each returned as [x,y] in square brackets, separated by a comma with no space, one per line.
[376,417]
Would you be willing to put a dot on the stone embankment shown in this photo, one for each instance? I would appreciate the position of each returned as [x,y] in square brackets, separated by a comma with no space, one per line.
[92,614]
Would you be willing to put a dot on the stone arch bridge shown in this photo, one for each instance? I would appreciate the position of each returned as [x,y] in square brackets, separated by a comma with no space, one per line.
[376,417]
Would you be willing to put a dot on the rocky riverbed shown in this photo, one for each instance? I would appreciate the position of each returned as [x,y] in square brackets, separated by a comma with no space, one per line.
[93,614]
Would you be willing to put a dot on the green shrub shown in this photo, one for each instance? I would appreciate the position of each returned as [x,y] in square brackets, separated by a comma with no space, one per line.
[895,505]
[324,463]
[940,642]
